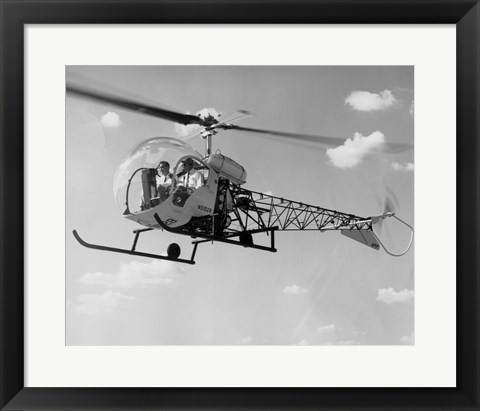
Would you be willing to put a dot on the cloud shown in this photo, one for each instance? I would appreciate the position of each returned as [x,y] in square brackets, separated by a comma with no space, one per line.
[136,275]
[390,296]
[294,290]
[412,108]
[326,329]
[366,101]
[405,167]
[187,130]
[208,111]
[353,151]
[303,342]
[110,120]
[190,129]
[92,304]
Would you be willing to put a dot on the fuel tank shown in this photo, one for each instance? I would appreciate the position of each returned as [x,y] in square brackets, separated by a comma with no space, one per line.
[227,168]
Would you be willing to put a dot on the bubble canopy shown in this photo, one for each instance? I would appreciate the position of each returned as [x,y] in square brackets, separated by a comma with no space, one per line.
[147,154]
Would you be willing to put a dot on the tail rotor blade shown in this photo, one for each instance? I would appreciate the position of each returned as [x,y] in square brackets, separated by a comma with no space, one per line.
[391,200]
[389,206]
[379,223]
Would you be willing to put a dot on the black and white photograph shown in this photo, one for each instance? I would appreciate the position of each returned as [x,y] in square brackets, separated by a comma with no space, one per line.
[262,205]
[239,205]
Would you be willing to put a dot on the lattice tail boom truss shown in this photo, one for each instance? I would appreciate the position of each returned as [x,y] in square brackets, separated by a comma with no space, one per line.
[259,210]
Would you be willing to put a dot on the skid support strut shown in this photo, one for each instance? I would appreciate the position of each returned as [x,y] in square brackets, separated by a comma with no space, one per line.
[244,237]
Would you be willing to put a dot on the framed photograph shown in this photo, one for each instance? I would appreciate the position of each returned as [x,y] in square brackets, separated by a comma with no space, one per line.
[294,216]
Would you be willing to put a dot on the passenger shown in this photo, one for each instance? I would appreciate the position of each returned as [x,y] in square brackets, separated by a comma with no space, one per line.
[190,178]
[164,180]
[164,177]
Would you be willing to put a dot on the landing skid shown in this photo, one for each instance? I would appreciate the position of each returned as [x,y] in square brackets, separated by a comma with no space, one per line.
[132,251]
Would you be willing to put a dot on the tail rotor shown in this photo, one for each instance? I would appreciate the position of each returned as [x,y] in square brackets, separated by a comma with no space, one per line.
[390,205]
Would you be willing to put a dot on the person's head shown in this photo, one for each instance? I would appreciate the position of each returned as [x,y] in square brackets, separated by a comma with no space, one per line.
[187,164]
[164,167]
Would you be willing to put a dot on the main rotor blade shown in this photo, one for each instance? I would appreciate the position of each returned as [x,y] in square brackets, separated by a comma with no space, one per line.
[237,116]
[297,136]
[135,106]
[331,141]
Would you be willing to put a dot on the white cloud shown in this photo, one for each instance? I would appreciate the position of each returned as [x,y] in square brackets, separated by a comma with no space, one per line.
[412,108]
[366,101]
[405,167]
[110,120]
[303,342]
[91,304]
[390,296]
[184,131]
[135,275]
[294,290]
[326,329]
[353,151]
[190,129]
[208,111]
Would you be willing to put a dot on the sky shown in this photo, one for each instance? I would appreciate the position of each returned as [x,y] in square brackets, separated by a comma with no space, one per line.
[318,288]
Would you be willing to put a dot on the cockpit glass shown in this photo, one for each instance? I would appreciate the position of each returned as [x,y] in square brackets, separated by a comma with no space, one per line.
[138,182]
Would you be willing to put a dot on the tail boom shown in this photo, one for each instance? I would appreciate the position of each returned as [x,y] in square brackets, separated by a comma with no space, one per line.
[268,211]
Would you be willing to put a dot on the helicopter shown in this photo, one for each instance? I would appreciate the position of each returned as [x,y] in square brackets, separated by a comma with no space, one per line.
[204,196]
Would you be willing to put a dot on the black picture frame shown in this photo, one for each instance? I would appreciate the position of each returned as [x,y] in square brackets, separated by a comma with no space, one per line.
[465,14]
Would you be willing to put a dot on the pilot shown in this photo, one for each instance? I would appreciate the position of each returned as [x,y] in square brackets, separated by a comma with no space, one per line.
[164,180]
[190,178]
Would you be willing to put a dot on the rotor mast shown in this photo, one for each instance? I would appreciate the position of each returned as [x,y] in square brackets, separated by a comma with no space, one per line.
[208,150]
[207,136]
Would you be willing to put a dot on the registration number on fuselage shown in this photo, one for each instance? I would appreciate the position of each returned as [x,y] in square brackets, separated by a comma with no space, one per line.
[206,209]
